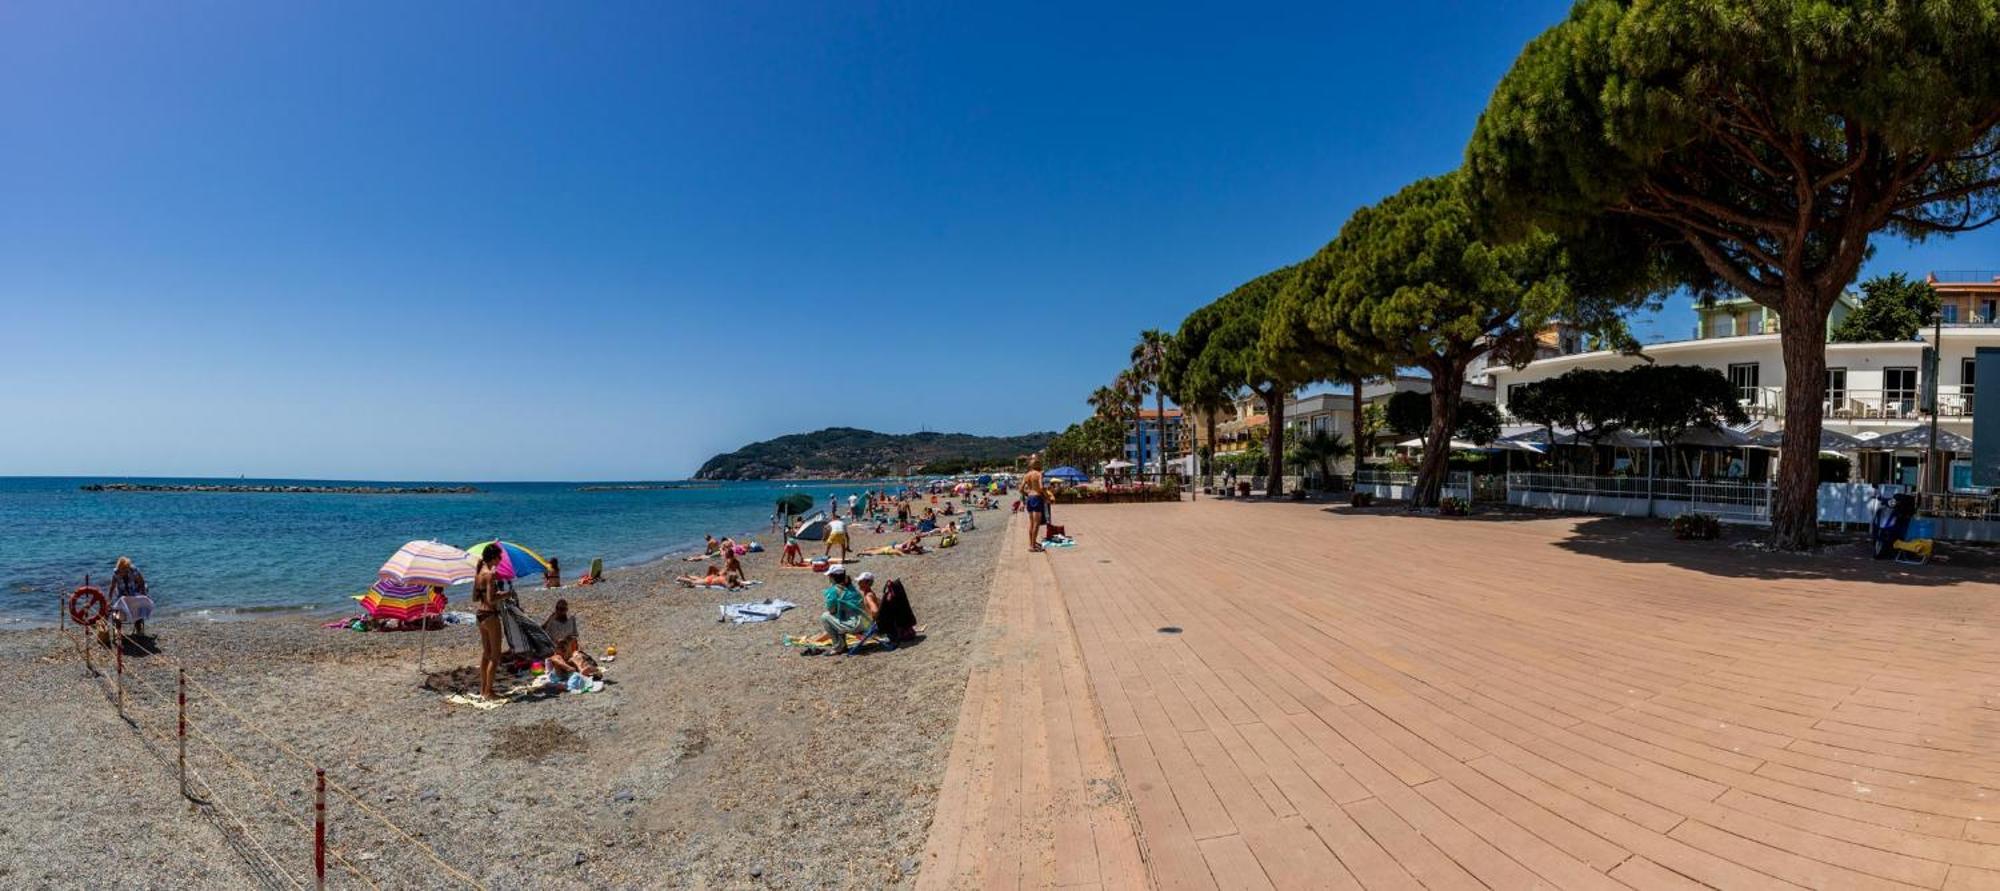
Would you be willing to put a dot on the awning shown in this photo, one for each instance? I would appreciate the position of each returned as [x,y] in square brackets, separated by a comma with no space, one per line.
[1829,441]
[1917,438]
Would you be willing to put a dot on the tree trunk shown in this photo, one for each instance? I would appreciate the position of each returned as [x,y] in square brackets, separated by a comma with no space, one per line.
[1274,438]
[1447,380]
[1209,417]
[1359,452]
[1160,409]
[1795,504]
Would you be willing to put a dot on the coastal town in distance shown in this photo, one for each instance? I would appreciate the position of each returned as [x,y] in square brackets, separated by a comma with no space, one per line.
[799,446]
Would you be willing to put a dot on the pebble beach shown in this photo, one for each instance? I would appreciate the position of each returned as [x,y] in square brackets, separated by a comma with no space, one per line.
[715,756]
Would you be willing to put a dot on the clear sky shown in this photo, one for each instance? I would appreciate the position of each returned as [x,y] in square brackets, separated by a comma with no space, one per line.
[605,240]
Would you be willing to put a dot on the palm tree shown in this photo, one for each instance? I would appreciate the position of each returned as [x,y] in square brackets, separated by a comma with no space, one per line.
[1321,449]
[1108,403]
[1149,362]
[1132,390]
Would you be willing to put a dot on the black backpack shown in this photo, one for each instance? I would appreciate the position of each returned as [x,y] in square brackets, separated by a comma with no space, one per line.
[895,619]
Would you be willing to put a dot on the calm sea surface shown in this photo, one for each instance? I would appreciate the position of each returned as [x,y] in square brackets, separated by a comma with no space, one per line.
[224,554]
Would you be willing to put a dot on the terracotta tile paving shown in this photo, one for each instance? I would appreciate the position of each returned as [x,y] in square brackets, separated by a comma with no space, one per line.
[1385,701]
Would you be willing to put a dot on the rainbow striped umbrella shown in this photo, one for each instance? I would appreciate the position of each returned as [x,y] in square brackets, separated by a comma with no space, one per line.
[515,560]
[388,600]
[429,563]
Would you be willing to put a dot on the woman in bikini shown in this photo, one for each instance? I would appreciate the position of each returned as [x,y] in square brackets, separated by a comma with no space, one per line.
[486,599]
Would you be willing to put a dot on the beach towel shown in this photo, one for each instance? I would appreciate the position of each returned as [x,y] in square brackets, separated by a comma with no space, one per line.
[821,640]
[1058,543]
[760,611]
[751,583]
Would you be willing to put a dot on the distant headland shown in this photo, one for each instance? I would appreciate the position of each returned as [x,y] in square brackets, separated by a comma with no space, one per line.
[850,453]
[266,488]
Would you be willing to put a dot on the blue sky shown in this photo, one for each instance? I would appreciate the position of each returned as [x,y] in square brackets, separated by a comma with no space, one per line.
[562,241]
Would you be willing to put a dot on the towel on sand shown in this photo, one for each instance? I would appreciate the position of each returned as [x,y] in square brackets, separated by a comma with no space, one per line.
[821,640]
[750,583]
[764,611]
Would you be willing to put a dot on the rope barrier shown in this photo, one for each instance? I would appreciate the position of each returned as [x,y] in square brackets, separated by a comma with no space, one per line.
[215,801]
[84,644]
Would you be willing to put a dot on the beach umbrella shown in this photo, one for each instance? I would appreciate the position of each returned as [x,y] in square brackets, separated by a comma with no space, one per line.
[389,600]
[429,563]
[1067,474]
[516,560]
[795,504]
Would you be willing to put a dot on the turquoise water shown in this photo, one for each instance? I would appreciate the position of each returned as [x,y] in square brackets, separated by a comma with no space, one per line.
[223,554]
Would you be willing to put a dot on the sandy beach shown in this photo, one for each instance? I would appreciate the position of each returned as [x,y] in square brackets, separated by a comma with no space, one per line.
[714,757]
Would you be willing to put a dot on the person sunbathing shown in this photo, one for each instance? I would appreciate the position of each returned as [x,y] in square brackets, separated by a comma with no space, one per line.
[714,576]
[914,546]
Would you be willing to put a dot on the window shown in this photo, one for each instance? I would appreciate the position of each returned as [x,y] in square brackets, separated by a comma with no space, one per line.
[1965,369]
[1743,376]
[1836,387]
[1948,313]
[1986,311]
[1899,385]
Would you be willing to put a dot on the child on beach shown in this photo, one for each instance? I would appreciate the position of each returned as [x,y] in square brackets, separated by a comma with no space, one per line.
[553,578]
[793,556]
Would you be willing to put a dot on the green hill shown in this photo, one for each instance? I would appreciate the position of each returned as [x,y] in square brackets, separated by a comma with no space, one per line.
[839,452]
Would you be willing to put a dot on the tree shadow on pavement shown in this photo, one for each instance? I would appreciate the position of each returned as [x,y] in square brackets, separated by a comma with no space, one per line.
[1739,553]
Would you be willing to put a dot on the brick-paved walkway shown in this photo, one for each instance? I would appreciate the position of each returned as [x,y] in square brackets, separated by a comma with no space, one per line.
[1377,700]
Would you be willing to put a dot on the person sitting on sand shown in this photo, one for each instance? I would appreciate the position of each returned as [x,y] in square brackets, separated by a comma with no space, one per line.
[792,556]
[844,614]
[871,603]
[733,567]
[710,545]
[129,600]
[914,546]
[569,656]
[553,578]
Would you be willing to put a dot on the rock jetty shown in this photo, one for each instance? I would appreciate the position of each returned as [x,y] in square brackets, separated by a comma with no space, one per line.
[279,489]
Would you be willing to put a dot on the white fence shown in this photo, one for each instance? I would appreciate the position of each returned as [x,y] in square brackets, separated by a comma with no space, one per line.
[1400,485]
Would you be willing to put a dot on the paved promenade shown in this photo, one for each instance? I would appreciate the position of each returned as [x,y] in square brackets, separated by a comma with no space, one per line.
[1383,701]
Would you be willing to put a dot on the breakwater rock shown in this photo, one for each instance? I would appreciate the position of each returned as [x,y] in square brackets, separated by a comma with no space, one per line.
[269,488]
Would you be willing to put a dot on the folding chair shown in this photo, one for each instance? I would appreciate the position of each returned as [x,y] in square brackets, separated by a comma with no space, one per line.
[1917,548]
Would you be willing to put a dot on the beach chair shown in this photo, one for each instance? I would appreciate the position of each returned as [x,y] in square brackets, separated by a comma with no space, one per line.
[1918,547]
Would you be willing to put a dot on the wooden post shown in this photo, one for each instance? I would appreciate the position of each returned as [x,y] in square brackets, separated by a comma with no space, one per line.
[183,764]
[118,642]
[319,830]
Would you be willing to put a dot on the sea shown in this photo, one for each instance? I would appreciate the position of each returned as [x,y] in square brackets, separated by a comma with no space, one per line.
[225,555]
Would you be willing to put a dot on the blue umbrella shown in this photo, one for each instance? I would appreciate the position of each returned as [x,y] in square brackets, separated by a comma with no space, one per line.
[1066,473]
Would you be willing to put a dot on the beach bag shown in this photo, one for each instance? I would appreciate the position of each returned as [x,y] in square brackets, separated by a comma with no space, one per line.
[524,638]
[894,618]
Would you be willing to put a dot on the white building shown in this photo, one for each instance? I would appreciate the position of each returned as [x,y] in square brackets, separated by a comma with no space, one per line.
[1870,389]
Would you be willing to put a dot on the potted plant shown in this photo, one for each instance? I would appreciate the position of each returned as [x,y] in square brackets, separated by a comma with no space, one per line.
[1452,506]
[1695,525]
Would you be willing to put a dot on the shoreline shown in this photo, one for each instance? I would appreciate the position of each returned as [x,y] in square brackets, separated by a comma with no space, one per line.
[702,763]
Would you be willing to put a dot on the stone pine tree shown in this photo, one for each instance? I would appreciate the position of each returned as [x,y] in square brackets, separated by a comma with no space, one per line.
[1191,383]
[1229,356]
[1893,308]
[1412,280]
[1292,347]
[1756,145]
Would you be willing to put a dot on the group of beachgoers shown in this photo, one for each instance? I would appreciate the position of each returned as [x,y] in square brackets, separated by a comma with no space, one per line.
[560,652]
[854,608]
[906,510]
[727,571]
